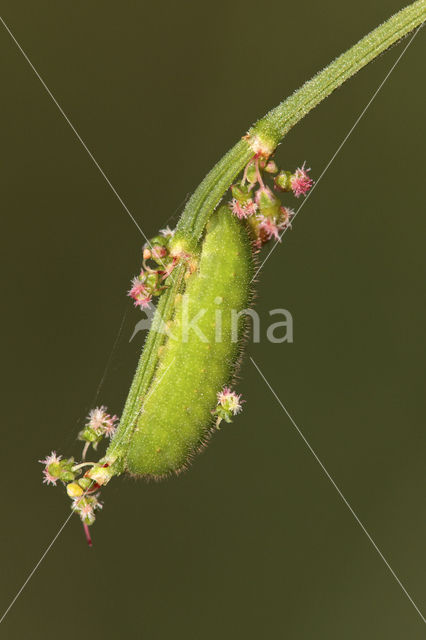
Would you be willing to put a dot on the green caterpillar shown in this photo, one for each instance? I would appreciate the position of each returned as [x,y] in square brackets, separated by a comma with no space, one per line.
[175,420]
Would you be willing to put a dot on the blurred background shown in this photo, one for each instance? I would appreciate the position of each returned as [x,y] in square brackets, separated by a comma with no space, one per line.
[254,541]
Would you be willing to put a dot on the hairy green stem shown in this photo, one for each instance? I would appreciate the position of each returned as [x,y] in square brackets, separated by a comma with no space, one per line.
[270,130]
[147,364]
[274,126]
[264,136]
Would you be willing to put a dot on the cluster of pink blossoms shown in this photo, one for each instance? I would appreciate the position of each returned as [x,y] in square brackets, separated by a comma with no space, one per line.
[85,506]
[139,291]
[269,228]
[256,202]
[101,422]
[80,487]
[301,182]
[229,404]
[243,209]
[150,280]
[58,468]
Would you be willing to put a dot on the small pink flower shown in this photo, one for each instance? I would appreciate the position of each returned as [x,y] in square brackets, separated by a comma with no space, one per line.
[139,292]
[86,506]
[102,422]
[250,208]
[268,229]
[96,418]
[86,511]
[286,215]
[229,400]
[301,182]
[50,459]
[110,426]
[138,288]
[143,303]
[237,208]
[223,395]
[243,210]
[48,478]
[167,232]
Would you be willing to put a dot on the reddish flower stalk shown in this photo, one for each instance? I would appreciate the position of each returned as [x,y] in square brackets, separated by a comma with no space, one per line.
[87,534]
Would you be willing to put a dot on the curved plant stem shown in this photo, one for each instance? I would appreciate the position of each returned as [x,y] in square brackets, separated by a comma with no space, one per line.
[264,136]
[270,130]
[207,196]
[280,120]
[146,367]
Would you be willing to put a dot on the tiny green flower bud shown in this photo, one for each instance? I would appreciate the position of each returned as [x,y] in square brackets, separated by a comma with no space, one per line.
[159,241]
[67,476]
[158,253]
[88,435]
[251,173]
[151,281]
[240,192]
[282,181]
[55,469]
[84,483]
[61,470]
[271,167]
[269,205]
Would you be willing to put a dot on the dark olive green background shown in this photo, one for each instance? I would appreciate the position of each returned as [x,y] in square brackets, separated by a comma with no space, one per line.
[253,542]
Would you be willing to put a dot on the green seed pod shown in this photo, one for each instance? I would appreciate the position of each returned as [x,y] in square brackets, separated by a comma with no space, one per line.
[200,355]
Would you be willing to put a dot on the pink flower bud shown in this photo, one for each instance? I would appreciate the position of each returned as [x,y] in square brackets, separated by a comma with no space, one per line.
[268,229]
[167,232]
[271,227]
[271,167]
[48,478]
[101,422]
[53,458]
[301,183]
[143,303]
[243,209]
[139,291]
